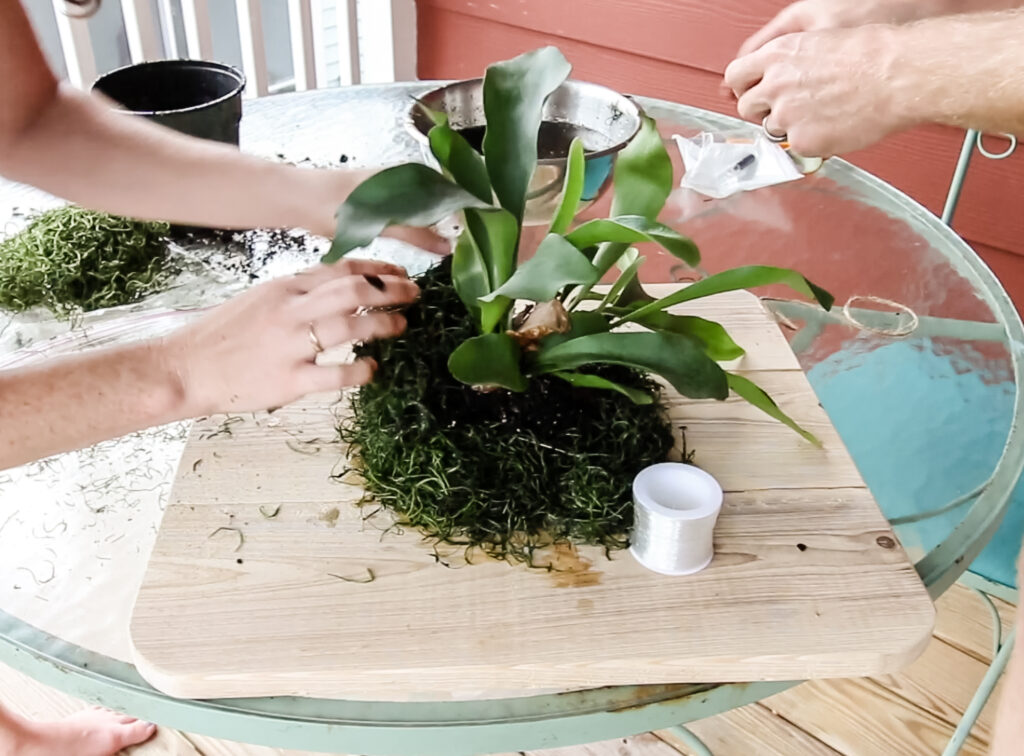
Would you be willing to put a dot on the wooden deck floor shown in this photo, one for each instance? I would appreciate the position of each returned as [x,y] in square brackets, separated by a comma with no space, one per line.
[910,714]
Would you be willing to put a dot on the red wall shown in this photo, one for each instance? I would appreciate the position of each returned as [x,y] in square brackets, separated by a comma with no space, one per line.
[686,45]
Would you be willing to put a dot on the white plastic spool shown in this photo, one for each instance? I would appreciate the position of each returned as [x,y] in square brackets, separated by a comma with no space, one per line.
[675,510]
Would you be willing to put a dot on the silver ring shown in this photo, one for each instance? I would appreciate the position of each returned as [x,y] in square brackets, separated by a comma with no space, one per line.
[771,137]
[315,340]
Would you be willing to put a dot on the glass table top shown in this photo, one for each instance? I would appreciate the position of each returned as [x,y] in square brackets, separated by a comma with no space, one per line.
[925,415]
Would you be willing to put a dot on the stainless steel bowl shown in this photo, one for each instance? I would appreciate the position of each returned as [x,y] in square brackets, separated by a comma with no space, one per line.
[605,120]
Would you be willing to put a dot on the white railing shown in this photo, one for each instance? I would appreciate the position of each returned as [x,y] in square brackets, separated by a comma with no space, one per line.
[330,42]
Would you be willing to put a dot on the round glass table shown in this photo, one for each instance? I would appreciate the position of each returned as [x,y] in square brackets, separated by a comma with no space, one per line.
[918,372]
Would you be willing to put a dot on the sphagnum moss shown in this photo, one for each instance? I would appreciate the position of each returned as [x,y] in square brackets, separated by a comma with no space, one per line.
[506,472]
[71,260]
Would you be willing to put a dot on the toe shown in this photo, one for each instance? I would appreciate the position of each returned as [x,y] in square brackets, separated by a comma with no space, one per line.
[134,733]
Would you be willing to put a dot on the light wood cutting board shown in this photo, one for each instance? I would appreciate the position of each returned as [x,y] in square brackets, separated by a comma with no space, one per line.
[808,579]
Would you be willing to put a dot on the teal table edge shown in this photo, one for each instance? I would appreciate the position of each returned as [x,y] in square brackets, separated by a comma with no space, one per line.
[476,727]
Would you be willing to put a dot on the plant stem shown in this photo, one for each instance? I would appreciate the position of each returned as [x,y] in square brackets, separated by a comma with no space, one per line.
[607,255]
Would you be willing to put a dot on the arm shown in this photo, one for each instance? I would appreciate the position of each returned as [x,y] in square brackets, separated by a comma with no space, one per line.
[75,146]
[249,354]
[839,90]
[814,15]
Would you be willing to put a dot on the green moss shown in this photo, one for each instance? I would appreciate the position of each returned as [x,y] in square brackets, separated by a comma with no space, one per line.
[72,260]
[508,472]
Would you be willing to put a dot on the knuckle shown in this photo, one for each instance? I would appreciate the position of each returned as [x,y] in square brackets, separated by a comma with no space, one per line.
[344,267]
[358,373]
[352,289]
[404,290]
[745,108]
[383,324]
[729,77]
[806,141]
[780,113]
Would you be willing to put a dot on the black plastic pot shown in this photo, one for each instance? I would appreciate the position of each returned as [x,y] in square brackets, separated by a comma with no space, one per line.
[196,97]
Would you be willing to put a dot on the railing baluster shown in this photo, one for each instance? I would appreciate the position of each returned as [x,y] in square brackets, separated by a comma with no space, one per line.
[254,54]
[319,42]
[198,34]
[300,22]
[170,38]
[141,28]
[403,39]
[349,71]
[76,46]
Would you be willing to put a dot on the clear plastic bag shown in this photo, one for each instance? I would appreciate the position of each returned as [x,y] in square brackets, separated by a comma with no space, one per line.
[721,164]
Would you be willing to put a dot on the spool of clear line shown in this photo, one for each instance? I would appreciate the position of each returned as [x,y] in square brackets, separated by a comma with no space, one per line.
[675,508]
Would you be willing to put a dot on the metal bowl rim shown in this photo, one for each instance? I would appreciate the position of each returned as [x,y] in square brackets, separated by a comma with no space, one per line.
[637,111]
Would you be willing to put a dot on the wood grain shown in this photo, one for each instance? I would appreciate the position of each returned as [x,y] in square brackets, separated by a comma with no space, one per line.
[964,622]
[751,729]
[639,745]
[863,718]
[807,580]
[685,32]
[941,683]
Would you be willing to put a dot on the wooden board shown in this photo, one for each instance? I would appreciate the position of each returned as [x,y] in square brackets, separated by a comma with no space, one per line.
[808,580]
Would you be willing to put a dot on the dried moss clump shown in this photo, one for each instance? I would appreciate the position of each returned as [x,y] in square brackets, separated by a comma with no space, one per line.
[72,260]
[508,472]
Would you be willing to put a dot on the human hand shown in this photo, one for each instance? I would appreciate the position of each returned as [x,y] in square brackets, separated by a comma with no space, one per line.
[338,185]
[816,15]
[829,91]
[259,350]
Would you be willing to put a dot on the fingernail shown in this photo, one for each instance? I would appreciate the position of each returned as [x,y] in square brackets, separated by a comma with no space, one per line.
[375,282]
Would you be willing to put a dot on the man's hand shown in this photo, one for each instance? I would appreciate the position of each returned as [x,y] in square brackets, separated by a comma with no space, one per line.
[817,15]
[839,90]
[829,91]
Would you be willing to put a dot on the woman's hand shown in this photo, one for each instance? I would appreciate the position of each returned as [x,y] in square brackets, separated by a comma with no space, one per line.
[259,350]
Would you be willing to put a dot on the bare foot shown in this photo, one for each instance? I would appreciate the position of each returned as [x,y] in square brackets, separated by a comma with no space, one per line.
[94,732]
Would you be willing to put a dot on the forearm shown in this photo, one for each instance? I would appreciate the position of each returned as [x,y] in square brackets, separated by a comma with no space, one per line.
[963,71]
[78,148]
[63,405]
[950,7]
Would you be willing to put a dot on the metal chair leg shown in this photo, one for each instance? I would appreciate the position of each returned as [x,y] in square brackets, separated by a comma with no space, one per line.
[981,696]
[695,744]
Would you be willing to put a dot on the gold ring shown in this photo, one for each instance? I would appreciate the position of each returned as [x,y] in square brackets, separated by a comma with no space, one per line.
[771,137]
[315,340]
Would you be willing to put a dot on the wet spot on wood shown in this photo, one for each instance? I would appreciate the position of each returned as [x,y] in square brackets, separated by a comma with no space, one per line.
[568,568]
[330,516]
